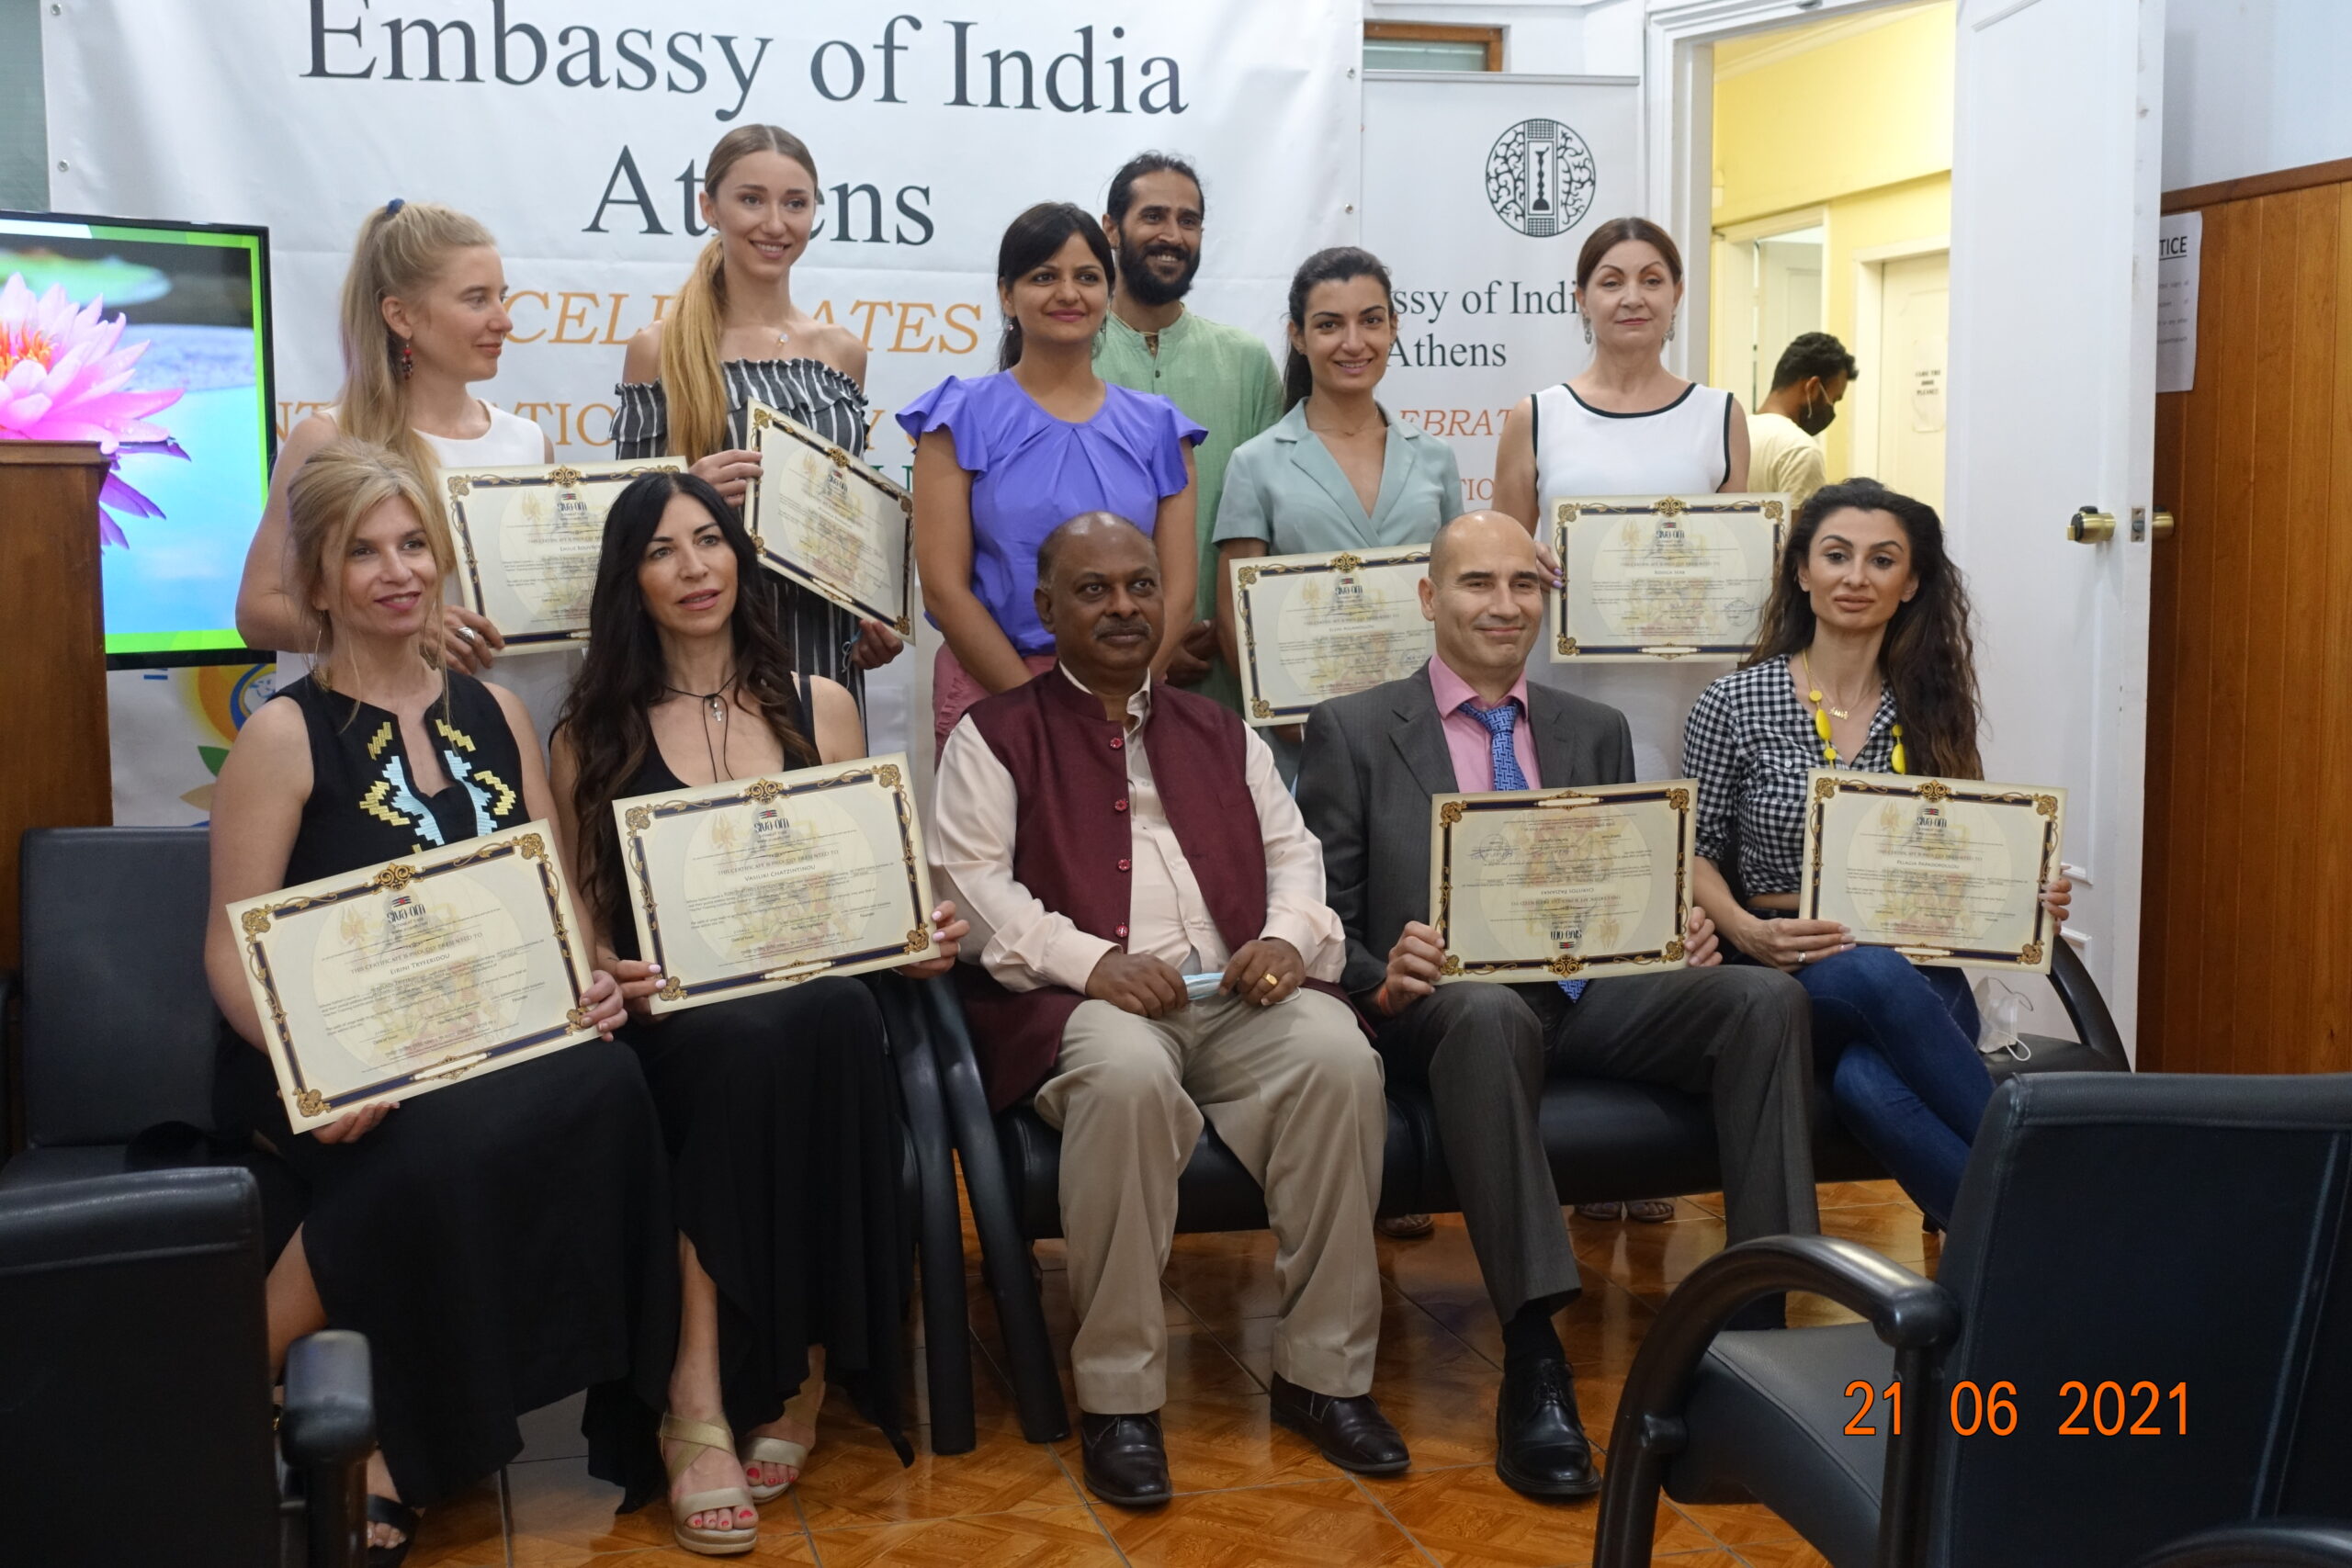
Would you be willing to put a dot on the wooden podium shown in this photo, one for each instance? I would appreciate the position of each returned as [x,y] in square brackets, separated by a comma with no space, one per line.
[55,767]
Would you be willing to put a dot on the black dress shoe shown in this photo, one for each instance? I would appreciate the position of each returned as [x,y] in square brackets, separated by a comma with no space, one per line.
[1127,1461]
[1350,1433]
[1540,1446]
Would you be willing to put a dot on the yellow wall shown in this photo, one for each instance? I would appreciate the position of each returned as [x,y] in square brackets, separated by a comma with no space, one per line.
[1857,127]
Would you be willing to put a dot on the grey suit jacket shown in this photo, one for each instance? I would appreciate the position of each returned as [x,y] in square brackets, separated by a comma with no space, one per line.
[1371,762]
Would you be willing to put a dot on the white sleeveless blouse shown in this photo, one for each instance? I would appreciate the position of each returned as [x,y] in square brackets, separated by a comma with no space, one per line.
[1683,449]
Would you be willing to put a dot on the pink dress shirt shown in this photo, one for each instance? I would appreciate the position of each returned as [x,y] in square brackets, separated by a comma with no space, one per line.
[1472,746]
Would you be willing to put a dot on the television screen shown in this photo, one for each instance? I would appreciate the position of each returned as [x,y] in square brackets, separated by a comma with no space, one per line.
[184,388]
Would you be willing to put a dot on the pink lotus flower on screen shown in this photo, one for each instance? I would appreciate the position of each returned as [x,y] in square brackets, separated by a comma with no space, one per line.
[62,379]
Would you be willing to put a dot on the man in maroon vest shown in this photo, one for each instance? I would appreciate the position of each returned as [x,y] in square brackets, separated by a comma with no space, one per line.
[1112,840]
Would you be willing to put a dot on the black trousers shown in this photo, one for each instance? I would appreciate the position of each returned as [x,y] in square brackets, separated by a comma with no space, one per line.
[1741,1036]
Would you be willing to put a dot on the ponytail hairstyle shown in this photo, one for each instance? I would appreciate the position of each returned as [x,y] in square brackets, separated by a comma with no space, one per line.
[691,382]
[343,482]
[607,717]
[1928,659]
[403,247]
[1335,264]
[1034,239]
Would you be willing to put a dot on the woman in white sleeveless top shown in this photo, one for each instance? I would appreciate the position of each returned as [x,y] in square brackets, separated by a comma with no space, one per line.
[423,316]
[1626,426]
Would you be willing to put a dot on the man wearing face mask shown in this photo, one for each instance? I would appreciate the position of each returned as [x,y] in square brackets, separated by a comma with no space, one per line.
[1783,445]
[1220,376]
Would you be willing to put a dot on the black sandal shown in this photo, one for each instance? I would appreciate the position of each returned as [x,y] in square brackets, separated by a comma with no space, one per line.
[394,1516]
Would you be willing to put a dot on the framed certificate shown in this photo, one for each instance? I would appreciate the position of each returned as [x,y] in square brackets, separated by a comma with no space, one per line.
[397,979]
[1313,627]
[528,538]
[752,885]
[828,522]
[1943,871]
[1661,577]
[1554,883]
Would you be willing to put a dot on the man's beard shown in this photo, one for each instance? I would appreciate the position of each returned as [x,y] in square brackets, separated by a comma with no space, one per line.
[1147,287]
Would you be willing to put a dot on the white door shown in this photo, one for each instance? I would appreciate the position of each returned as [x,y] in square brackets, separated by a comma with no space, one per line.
[1910,385]
[2058,107]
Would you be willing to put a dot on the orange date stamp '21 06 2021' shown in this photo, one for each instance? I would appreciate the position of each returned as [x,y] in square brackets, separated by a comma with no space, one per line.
[2104,1409]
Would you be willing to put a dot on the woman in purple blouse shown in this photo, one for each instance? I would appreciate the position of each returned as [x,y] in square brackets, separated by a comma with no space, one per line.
[1003,461]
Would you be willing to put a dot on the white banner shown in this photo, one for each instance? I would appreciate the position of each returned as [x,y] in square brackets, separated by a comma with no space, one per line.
[576,130]
[1478,191]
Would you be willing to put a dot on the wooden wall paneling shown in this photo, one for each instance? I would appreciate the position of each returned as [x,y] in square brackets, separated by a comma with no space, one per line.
[2164,596]
[2329,897]
[2286,972]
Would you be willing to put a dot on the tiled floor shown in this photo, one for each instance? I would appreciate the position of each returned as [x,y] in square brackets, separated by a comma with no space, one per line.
[1248,1493]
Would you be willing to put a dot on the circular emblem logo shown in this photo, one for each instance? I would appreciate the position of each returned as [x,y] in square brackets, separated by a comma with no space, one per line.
[1540,177]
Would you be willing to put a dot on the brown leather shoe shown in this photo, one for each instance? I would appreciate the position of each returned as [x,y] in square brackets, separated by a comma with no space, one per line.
[1352,1433]
[1405,1227]
[1125,1459]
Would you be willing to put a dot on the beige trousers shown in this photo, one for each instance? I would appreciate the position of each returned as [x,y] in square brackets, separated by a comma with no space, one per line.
[1294,1090]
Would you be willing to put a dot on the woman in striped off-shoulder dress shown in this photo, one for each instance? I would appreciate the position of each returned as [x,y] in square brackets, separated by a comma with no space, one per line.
[734,336]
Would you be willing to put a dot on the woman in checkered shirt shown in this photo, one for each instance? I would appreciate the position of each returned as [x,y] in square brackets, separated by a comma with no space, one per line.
[1867,629]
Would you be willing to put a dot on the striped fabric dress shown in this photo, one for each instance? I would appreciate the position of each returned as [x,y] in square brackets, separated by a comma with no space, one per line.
[814,394]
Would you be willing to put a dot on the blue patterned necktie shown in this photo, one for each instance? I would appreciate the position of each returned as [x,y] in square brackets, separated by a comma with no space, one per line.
[1500,722]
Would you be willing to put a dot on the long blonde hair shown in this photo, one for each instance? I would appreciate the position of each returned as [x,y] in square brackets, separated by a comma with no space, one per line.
[691,382]
[341,483]
[403,247]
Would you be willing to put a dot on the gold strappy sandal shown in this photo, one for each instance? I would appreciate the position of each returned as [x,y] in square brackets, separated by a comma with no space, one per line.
[802,1408]
[704,1542]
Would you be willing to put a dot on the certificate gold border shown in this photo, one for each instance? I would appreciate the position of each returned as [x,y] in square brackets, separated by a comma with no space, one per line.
[764,419]
[1768,507]
[637,817]
[1826,785]
[257,919]
[1448,812]
[458,484]
[1248,571]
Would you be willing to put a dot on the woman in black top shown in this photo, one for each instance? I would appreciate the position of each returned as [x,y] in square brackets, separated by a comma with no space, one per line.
[496,1239]
[780,1108]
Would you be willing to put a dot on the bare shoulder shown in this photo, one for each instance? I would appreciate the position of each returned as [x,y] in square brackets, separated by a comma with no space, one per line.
[275,745]
[642,359]
[314,432]
[518,717]
[837,346]
[838,729]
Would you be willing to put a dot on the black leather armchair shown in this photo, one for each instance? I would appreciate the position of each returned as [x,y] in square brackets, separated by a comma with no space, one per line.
[2141,1328]
[119,1028]
[2287,1544]
[131,1320]
[1606,1139]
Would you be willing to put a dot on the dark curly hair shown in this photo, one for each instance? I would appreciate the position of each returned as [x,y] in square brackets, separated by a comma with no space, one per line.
[1928,659]
[605,718]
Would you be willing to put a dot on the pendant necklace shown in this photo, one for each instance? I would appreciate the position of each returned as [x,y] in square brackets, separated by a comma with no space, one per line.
[715,705]
[1821,712]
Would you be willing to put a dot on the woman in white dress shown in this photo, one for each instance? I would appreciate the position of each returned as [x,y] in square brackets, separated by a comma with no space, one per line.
[1625,425]
[423,317]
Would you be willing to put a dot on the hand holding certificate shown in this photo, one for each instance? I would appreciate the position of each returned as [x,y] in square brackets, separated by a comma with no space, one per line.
[828,522]
[528,538]
[752,885]
[1313,627]
[1658,578]
[1554,884]
[1946,872]
[398,979]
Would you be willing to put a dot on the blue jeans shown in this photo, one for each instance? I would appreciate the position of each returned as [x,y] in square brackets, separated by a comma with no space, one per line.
[1898,1045]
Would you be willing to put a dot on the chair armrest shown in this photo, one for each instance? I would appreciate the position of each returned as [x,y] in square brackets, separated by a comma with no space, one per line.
[9,985]
[2278,1543]
[327,1432]
[1913,1314]
[2078,993]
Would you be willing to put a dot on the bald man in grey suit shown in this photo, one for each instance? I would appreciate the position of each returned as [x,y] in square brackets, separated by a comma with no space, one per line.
[1470,721]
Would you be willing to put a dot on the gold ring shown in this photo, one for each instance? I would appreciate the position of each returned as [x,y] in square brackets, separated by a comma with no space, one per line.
[1268,979]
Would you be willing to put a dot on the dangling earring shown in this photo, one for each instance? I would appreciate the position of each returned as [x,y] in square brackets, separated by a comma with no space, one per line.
[1669,329]
[408,361]
[1588,325]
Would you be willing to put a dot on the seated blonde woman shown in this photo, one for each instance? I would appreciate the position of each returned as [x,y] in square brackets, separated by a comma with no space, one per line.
[491,1239]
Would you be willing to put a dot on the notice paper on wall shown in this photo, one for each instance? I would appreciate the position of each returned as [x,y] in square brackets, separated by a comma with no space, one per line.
[2179,237]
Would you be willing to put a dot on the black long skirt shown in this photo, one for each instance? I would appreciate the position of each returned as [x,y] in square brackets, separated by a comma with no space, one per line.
[503,1243]
[782,1118]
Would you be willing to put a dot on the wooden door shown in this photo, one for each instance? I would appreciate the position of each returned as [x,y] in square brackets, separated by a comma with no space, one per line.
[1914,346]
[2247,945]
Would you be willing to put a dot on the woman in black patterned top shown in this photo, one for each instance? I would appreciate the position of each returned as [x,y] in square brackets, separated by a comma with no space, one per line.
[1865,662]
[734,336]
[504,1243]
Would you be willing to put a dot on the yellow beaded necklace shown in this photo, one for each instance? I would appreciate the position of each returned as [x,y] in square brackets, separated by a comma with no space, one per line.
[1821,720]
